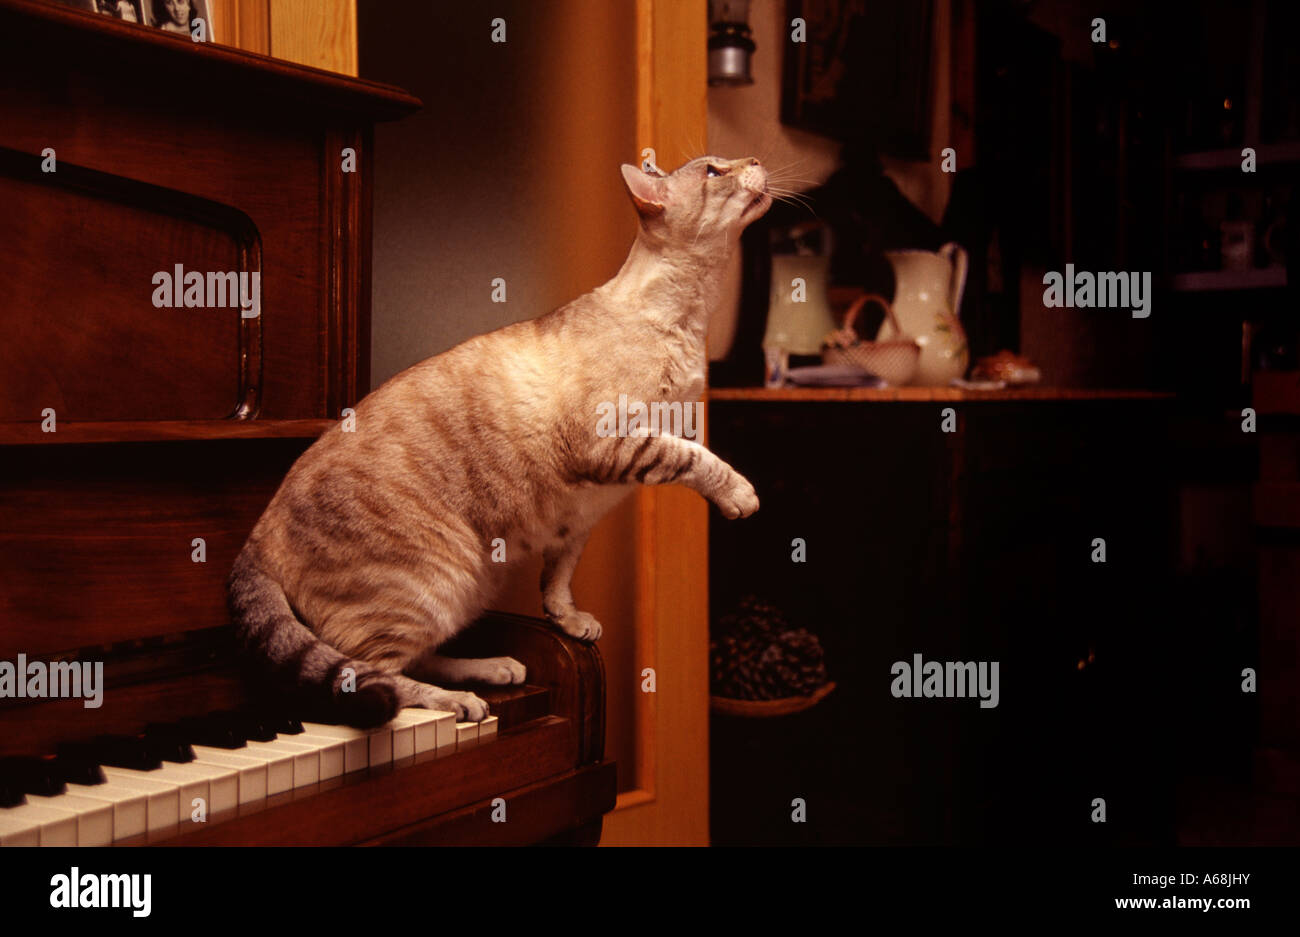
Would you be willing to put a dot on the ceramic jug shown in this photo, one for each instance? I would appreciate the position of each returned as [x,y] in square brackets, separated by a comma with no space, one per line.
[927,299]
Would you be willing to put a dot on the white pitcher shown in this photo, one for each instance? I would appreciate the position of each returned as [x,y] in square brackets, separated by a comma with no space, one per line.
[927,299]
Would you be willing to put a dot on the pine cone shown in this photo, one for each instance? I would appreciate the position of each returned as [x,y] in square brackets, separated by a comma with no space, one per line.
[756,655]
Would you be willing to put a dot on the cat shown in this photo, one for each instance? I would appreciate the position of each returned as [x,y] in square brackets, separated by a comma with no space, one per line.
[376,548]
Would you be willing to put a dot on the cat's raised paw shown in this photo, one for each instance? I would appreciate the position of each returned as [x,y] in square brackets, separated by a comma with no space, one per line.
[740,501]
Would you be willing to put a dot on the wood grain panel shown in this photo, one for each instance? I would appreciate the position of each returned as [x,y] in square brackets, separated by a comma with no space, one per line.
[167,363]
[244,24]
[535,812]
[320,33]
[670,803]
[105,555]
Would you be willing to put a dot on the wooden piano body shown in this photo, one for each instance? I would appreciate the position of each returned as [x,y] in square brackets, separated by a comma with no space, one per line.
[139,443]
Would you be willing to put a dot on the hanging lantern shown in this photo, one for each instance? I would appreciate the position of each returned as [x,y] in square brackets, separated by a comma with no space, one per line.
[730,45]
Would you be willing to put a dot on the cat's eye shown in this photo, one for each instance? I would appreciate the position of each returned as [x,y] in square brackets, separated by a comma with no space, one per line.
[713,171]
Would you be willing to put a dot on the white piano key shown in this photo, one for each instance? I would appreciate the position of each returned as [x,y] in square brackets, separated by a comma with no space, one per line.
[15,832]
[403,740]
[163,798]
[331,751]
[466,735]
[94,817]
[52,827]
[188,784]
[363,747]
[279,765]
[223,785]
[447,734]
[356,748]
[425,723]
[130,807]
[487,729]
[305,758]
[381,746]
[252,771]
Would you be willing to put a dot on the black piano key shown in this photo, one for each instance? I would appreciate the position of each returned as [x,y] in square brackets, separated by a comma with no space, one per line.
[10,795]
[32,775]
[257,726]
[168,741]
[218,730]
[126,751]
[78,763]
[287,725]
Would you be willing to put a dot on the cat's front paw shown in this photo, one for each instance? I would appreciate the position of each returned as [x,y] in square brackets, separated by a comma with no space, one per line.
[502,671]
[466,706]
[576,624]
[740,500]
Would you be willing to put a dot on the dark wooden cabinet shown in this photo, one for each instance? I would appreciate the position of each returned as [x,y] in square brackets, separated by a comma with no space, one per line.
[975,545]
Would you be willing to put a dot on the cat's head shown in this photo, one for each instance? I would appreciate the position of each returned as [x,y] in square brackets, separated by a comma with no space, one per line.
[701,201]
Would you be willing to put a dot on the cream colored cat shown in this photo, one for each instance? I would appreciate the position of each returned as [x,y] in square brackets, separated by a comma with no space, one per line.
[377,548]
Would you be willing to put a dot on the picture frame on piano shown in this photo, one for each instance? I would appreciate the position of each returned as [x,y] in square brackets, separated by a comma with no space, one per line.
[177,17]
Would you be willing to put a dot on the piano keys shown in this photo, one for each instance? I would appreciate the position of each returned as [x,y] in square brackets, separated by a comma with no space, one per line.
[172,781]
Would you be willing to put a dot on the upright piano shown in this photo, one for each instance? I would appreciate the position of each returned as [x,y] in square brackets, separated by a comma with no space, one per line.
[145,424]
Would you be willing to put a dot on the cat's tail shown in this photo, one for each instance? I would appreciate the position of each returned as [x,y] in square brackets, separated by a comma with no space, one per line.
[272,635]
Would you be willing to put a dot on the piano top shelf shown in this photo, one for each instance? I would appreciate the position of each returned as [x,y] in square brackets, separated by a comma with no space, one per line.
[30,434]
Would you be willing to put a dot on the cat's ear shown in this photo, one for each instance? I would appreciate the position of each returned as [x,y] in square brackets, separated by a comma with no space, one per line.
[647,191]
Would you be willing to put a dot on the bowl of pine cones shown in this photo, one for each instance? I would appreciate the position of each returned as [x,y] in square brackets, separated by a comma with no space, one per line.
[760,665]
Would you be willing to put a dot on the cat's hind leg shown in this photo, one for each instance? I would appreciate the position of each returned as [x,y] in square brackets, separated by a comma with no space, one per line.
[498,671]
[393,642]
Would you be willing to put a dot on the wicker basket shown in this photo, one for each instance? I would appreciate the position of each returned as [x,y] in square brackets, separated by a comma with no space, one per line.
[894,361]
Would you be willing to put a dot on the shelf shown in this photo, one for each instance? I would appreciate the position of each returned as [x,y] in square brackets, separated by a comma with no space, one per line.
[1268,154]
[1205,280]
[29,434]
[927,394]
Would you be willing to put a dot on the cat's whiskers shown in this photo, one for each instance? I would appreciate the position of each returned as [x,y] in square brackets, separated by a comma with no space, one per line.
[781,179]
[791,197]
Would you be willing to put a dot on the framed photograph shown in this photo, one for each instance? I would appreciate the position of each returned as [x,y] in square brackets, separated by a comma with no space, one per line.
[130,11]
[173,16]
[178,16]
[862,68]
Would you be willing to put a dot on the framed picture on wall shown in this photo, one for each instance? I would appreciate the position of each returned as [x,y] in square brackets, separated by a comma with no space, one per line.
[862,70]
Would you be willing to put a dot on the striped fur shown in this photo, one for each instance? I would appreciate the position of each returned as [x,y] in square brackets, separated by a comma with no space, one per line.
[378,546]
